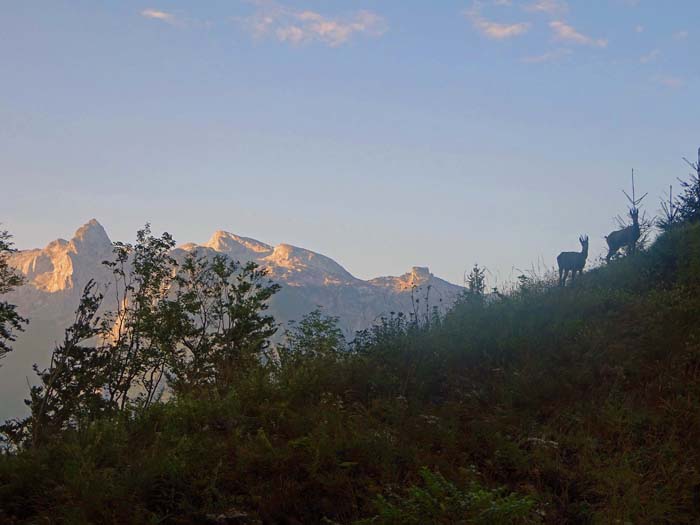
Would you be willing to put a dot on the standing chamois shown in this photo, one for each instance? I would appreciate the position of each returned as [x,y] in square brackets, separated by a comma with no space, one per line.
[572,261]
[625,237]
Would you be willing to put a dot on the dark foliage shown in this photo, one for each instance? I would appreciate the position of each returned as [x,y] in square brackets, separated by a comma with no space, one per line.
[10,320]
[689,200]
[222,330]
[201,325]
[686,207]
[70,391]
[547,405]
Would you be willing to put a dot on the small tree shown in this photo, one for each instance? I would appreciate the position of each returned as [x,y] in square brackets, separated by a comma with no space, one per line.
[476,281]
[630,236]
[140,329]
[475,284]
[689,201]
[71,389]
[316,335]
[69,392]
[669,212]
[221,330]
[10,320]
[307,356]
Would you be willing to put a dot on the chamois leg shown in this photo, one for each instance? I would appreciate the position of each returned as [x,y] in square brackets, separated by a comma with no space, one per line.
[561,272]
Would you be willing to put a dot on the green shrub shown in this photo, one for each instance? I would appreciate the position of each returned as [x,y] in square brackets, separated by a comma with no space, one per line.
[439,501]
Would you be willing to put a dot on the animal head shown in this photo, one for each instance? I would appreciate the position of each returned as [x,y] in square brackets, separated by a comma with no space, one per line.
[584,242]
[634,214]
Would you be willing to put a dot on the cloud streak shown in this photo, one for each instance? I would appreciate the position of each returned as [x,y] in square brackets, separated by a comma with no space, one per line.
[156,14]
[549,56]
[494,30]
[548,6]
[650,57]
[567,33]
[670,81]
[298,27]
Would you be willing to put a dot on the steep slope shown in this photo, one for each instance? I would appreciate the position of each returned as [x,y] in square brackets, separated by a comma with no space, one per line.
[581,403]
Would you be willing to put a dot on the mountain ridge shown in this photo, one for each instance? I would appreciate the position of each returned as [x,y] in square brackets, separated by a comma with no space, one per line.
[92,238]
[56,274]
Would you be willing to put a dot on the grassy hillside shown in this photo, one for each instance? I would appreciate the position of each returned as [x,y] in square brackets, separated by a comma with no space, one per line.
[576,405]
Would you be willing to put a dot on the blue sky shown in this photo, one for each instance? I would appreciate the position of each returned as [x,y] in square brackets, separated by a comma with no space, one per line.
[384,134]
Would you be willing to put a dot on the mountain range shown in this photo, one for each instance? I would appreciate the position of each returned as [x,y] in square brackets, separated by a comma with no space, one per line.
[55,276]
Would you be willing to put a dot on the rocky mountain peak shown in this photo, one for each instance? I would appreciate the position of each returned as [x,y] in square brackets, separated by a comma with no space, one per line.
[239,248]
[64,265]
[420,274]
[292,257]
[91,236]
[308,278]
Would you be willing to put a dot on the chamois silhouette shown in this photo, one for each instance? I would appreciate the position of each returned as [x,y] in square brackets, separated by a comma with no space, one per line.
[625,237]
[572,261]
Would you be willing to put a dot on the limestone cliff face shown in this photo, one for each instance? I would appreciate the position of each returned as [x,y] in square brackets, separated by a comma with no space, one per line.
[56,275]
[65,265]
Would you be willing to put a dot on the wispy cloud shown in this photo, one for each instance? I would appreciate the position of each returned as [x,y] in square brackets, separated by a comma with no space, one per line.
[156,14]
[565,32]
[639,29]
[548,6]
[681,35]
[494,30]
[549,56]
[500,31]
[651,56]
[296,27]
[670,81]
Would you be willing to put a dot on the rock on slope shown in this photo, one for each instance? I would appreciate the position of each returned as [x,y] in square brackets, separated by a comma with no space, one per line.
[57,273]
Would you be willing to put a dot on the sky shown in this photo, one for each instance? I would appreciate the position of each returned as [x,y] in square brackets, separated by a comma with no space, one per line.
[383,133]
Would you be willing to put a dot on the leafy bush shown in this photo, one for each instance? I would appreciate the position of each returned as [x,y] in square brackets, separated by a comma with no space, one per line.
[440,501]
